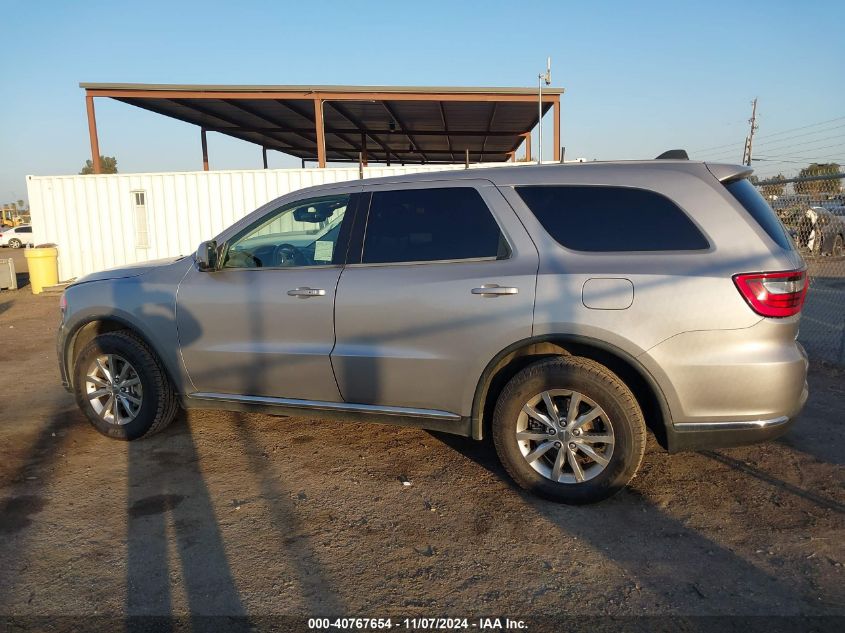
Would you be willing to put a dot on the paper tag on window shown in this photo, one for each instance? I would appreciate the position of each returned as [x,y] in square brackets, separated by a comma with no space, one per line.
[323,250]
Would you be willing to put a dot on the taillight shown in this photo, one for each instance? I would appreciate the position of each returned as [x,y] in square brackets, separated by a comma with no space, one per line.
[779,294]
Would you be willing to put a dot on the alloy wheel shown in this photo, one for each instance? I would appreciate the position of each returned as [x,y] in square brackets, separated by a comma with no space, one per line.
[565,436]
[113,388]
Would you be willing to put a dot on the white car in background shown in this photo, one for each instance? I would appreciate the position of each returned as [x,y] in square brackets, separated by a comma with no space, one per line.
[17,236]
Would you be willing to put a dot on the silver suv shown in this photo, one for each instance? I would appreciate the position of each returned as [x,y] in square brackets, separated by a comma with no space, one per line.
[562,310]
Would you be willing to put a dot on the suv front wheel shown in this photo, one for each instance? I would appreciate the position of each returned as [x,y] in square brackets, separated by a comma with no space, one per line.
[122,388]
[569,430]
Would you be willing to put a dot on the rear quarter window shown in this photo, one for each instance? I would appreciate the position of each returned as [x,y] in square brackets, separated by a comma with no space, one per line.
[753,202]
[608,219]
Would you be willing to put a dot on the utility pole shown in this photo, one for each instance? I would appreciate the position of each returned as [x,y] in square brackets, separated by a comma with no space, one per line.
[547,77]
[749,140]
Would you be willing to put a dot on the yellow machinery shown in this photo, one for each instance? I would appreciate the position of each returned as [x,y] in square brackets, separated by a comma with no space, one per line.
[11,216]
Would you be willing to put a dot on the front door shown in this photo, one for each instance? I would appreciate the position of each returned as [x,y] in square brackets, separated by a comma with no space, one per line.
[262,324]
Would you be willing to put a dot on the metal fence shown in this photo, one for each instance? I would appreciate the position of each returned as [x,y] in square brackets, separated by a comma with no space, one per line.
[813,210]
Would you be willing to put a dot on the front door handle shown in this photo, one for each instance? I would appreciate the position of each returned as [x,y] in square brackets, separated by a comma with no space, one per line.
[494,290]
[306,292]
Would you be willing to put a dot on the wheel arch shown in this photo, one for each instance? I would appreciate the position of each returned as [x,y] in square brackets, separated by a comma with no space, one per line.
[85,331]
[508,362]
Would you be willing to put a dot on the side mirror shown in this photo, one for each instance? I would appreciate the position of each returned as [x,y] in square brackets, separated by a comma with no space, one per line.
[206,256]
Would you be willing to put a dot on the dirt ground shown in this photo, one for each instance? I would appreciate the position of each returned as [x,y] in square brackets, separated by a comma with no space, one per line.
[251,515]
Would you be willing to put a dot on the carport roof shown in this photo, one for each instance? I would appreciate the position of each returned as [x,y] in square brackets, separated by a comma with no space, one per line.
[400,124]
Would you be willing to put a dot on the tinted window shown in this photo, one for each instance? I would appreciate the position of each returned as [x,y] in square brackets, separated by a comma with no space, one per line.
[756,205]
[24,229]
[607,219]
[418,225]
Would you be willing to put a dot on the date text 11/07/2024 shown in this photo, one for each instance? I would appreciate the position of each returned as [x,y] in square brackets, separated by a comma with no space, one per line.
[415,624]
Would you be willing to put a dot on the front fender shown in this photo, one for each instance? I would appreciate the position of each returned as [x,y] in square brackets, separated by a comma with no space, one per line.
[145,305]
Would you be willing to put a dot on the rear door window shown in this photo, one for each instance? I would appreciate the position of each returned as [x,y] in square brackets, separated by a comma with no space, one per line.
[612,219]
[425,225]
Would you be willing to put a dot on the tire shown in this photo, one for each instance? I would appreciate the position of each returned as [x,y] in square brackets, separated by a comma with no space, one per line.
[598,389]
[15,243]
[157,399]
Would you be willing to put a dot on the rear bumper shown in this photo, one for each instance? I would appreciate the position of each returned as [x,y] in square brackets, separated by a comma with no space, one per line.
[694,436]
[731,387]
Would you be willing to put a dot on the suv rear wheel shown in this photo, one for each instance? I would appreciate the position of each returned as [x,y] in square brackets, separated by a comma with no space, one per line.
[569,430]
[122,388]
[15,243]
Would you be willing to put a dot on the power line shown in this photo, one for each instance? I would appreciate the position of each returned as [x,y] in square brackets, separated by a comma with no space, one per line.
[803,127]
[791,156]
[803,161]
[728,156]
[807,146]
[715,147]
[772,157]
[811,146]
[804,135]
[735,149]
[786,143]
[781,146]
[767,136]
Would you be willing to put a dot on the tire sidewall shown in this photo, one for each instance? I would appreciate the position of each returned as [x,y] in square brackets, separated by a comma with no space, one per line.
[627,449]
[143,364]
[15,243]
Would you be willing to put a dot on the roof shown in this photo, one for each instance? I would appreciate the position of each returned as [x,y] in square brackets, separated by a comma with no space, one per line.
[399,124]
[322,88]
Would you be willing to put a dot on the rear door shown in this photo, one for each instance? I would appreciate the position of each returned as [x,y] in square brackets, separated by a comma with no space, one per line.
[440,279]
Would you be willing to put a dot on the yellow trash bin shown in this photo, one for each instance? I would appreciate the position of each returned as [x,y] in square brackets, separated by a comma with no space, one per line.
[43,264]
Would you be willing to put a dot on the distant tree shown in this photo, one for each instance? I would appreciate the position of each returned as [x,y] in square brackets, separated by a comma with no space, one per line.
[108,165]
[21,205]
[819,187]
[772,190]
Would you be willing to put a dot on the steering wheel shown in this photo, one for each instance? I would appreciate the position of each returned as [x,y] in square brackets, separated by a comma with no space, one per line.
[241,259]
[288,255]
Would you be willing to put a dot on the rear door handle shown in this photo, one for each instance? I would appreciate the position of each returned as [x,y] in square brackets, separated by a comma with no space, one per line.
[494,290]
[306,292]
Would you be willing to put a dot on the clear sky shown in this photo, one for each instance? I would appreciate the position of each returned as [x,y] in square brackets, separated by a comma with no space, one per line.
[641,77]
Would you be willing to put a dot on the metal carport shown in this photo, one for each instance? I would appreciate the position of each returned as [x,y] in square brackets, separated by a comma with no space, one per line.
[407,125]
